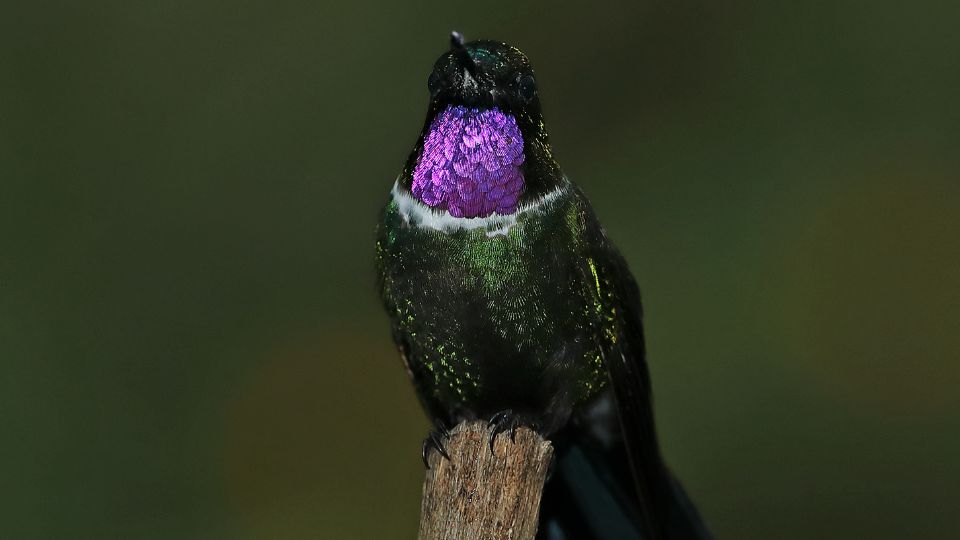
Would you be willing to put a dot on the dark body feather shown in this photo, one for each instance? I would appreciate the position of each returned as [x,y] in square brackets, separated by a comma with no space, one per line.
[539,320]
[489,322]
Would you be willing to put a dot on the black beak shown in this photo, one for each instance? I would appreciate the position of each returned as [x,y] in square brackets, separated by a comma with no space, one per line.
[460,50]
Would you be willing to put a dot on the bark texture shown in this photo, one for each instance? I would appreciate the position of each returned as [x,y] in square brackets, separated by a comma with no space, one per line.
[477,494]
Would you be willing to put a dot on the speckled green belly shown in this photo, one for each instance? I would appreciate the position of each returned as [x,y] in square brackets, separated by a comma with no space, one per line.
[490,319]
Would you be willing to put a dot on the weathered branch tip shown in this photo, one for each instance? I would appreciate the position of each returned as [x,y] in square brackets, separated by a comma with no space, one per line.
[478,494]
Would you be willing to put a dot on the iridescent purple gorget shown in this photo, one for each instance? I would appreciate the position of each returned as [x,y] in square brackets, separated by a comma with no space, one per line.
[470,164]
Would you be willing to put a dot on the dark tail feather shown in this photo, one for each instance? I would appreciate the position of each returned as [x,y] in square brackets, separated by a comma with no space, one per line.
[585,499]
[591,496]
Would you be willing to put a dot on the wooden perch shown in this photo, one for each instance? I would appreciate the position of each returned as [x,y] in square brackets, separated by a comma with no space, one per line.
[481,495]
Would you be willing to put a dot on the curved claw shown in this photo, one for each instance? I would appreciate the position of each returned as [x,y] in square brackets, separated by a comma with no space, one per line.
[435,441]
[441,428]
[507,420]
[518,422]
[500,417]
[499,422]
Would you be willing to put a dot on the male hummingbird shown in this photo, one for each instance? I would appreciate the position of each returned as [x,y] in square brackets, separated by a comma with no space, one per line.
[508,302]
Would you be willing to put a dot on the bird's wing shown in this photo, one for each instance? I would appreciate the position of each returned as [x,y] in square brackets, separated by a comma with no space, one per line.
[667,512]
[619,318]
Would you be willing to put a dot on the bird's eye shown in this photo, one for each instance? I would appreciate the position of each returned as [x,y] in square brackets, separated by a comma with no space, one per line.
[434,83]
[527,88]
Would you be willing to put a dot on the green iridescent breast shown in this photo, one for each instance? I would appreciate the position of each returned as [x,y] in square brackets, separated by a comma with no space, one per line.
[513,295]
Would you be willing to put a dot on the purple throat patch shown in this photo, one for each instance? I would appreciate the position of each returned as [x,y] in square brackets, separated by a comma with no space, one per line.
[470,164]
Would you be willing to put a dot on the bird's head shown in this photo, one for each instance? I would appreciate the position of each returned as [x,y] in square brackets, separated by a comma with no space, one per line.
[486,75]
[484,147]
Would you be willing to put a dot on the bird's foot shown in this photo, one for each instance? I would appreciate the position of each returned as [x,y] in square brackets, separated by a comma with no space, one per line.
[434,441]
[507,420]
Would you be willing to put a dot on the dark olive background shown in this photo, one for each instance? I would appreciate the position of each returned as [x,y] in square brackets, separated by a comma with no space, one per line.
[190,339]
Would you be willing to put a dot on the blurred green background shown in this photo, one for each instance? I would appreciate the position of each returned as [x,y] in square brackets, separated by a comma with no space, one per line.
[190,338]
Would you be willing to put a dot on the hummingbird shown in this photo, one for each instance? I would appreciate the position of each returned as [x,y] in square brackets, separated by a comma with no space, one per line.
[509,303]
